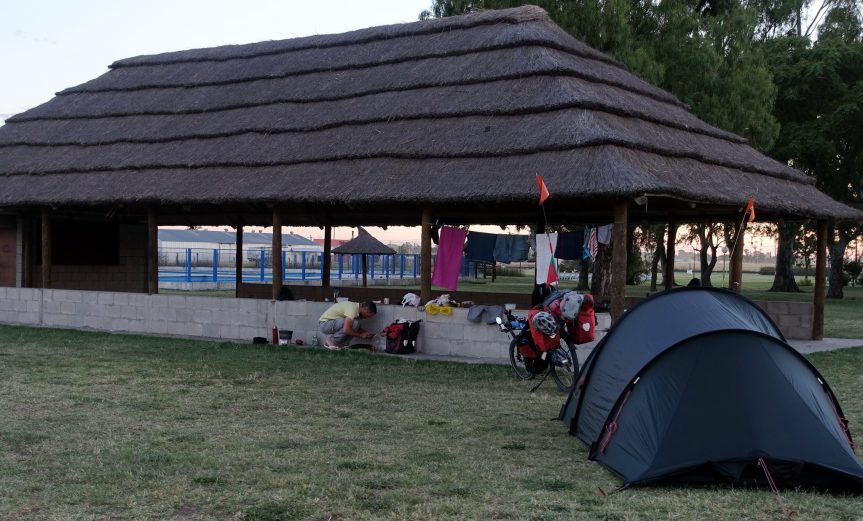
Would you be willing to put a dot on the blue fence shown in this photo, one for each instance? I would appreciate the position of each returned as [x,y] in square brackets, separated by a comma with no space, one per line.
[219,265]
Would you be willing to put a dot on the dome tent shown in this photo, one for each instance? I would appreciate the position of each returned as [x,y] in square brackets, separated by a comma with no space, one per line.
[709,400]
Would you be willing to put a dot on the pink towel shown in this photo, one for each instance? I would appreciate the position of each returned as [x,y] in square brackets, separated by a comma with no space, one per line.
[447,262]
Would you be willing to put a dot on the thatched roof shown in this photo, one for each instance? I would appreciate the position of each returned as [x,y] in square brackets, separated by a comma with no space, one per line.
[364,243]
[363,127]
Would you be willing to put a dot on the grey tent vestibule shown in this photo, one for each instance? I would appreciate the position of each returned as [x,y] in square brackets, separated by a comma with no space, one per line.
[718,398]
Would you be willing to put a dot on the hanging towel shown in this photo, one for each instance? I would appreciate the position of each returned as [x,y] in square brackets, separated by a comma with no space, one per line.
[570,245]
[511,248]
[603,234]
[546,266]
[447,263]
[480,247]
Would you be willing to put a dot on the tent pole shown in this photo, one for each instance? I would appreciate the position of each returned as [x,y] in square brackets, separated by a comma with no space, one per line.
[820,275]
[238,268]
[277,252]
[152,252]
[618,261]
[325,259]
[735,279]
[425,255]
[668,276]
[46,248]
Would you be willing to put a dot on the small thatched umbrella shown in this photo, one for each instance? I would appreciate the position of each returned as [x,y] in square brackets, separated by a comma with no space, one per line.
[364,244]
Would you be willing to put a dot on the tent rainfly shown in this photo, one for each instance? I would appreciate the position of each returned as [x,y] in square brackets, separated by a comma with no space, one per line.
[709,401]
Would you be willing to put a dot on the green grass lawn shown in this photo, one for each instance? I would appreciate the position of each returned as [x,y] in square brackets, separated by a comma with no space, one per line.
[100,426]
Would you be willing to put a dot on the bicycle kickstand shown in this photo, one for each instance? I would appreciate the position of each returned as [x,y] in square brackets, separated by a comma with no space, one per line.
[544,376]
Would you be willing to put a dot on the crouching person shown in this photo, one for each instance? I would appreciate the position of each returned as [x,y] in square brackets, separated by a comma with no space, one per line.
[342,321]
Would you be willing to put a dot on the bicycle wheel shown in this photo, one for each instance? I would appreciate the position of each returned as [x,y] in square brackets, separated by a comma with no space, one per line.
[564,367]
[517,362]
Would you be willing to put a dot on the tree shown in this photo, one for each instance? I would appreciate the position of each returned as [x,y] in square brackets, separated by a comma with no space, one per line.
[657,234]
[853,269]
[838,238]
[706,240]
[600,285]
[820,106]
[804,249]
[783,278]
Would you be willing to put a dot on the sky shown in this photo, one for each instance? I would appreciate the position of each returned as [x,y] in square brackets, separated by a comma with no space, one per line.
[50,45]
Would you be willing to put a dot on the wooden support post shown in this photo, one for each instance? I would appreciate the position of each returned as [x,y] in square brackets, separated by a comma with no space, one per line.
[820,282]
[671,241]
[365,267]
[425,255]
[27,253]
[735,279]
[46,248]
[277,252]
[618,261]
[325,259]
[238,268]
[152,252]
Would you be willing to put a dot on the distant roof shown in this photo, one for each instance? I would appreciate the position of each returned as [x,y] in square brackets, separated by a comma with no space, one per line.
[336,128]
[364,243]
[218,237]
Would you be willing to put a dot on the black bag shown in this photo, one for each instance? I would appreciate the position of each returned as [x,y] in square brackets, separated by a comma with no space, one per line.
[401,337]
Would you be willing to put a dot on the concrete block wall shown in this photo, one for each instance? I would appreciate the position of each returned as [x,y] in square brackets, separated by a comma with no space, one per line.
[243,319]
[794,319]
[130,274]
[235,319]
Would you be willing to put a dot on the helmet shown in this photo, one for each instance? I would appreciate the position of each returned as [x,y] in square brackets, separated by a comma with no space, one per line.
[545,323]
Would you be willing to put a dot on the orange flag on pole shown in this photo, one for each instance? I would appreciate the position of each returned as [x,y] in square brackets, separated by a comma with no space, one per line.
[543,191]
[750,209]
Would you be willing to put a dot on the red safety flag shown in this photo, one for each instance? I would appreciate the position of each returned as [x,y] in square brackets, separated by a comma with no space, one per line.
[543,191]
[750,209]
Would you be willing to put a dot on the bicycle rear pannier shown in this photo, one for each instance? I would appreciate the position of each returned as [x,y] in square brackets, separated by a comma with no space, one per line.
[401,337]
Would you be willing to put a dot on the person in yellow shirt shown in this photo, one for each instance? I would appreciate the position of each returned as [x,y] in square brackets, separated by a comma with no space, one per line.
[342,321]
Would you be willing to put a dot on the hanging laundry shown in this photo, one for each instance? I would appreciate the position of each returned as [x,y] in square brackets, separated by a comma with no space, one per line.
[511,248]
[604,233]
[546,266]
[480,247]
[447,263]
[592,243]
[570,245]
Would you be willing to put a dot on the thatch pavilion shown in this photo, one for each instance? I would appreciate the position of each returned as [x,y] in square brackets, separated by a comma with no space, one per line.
[364,244]
[443,120]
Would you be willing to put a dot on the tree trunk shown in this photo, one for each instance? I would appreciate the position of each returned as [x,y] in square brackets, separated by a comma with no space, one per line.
[658,261]
[707,253]
[837,243]
[707,260]
[783,279]
[632,257]
[601,284]
[583,275]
